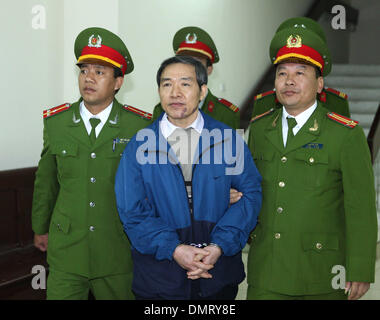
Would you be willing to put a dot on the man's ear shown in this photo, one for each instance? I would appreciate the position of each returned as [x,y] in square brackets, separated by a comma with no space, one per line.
[321,84]
[119,82]
[203,92]
[209,70]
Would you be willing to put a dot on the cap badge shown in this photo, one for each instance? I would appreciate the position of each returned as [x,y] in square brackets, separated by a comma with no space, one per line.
[191,38]
[294,41]
[95,41]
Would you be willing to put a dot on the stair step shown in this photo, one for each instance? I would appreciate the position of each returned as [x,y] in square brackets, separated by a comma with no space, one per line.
[334,81]
[355,69]
[365,120]
[355,94]
[363,106]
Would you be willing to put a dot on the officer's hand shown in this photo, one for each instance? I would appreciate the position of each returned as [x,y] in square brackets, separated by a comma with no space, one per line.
[357,289]
[41,241]
[235,196]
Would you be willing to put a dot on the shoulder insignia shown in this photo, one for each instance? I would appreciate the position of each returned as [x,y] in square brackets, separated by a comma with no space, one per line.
[261,115]
[262,95]
[338,93]
[210,106]
[55,110]
[228,104]
[143,114]
[347,122]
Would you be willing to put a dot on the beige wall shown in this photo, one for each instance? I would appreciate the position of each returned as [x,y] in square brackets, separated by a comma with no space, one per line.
[39,65]
[364,42]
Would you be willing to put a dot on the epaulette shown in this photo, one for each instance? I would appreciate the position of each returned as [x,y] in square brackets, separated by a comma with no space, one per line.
[261,115]
[55,110]
[338,93]
[262,95]
[347,122]
[143,114]
[228,104]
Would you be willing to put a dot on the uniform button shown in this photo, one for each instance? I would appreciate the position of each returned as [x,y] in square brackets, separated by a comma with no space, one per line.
[92,204]
[280,210]
[92,228]
[311,160]
[93,155]
[277,236]
[284,159]
[281,184]
[64,152]
[319,246]
[93,180]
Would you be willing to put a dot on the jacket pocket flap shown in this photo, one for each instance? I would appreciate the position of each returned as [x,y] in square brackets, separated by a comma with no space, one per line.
[64,150]
[320,241]
[313,158]
[61,222]
[267,156]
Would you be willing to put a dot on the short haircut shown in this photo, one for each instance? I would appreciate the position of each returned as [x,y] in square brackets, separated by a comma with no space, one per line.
[200,70]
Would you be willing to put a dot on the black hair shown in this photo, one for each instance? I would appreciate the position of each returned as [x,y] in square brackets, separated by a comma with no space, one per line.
[200,70]
[318,72]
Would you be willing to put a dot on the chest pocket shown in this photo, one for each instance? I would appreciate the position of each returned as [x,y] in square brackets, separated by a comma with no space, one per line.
[312,167]
[264,162]
[67,158]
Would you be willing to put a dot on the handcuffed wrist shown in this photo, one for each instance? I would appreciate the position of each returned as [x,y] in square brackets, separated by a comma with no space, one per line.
[212,244]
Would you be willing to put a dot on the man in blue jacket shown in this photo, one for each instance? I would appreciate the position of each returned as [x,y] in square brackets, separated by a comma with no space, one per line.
[172,191]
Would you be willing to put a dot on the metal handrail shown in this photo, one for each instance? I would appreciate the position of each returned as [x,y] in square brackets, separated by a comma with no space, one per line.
[373,138]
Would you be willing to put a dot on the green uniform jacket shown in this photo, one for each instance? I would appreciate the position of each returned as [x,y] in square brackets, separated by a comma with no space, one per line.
[219,109]
[74,193]
[330,98]
[318,206]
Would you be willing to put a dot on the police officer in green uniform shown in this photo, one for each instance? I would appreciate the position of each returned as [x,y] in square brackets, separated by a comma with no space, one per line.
[317,231]
[332,99]
[74,215]
[196,42]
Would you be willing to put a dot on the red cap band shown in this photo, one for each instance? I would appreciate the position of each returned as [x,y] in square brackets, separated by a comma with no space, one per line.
[304,52]
[197,47]
[106,54]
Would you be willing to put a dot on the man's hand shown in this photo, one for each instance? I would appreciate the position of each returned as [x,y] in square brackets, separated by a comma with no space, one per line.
[41,241]
[235,196]
[210,259]
[356,289]
[190,258]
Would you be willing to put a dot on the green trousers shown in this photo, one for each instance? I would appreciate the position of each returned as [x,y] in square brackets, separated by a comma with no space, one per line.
[67,286]
[254,293]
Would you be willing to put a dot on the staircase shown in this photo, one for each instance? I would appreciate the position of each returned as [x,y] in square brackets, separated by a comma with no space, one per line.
[362,85]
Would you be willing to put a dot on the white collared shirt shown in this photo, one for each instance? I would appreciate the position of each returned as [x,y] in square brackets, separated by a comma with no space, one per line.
[167,128]
[301,120]
[87,115]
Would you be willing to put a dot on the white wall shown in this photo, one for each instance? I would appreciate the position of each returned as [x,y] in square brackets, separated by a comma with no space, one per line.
[39,69]
[31,78]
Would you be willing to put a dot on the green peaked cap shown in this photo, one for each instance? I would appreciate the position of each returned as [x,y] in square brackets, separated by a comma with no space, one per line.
[194,39]
[301,39]
[98,45]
